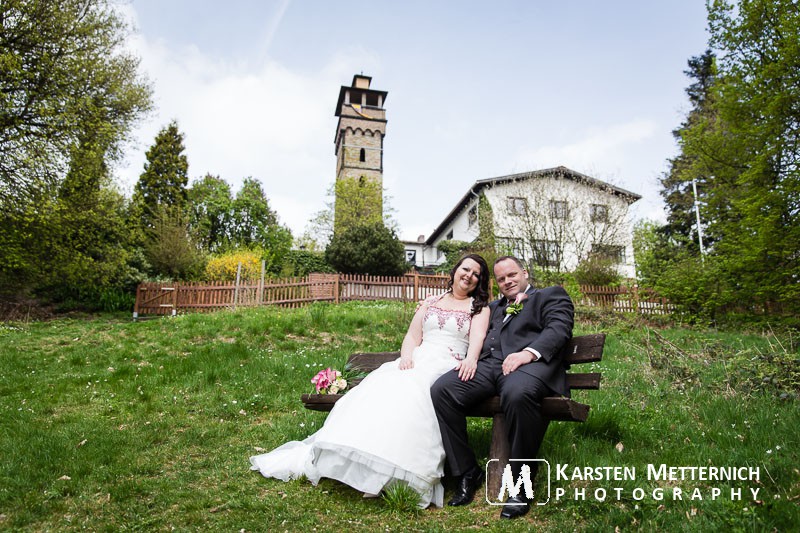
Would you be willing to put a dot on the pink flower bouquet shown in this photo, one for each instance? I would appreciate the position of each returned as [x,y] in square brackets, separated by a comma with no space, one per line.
[329,381]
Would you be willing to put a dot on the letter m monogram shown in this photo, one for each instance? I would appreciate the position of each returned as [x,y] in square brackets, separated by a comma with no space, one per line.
[513,489]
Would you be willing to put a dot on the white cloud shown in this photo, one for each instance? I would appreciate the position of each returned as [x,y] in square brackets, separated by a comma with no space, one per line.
[605,148]
[266,121]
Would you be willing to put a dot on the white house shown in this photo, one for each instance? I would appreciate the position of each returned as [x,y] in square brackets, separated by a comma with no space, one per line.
[555,217]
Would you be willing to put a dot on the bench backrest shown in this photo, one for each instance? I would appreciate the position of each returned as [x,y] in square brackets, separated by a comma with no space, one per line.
[578,350]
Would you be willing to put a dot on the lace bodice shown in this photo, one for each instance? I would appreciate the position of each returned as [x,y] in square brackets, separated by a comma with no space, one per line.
[447,329]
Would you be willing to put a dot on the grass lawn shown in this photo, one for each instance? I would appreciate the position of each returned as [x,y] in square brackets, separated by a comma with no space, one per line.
[107,424]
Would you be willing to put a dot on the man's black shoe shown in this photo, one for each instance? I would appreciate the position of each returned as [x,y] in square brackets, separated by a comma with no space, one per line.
[467,486]
[514,507]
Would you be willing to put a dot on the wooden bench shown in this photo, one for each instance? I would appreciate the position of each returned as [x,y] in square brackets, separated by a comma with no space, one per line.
[579,350]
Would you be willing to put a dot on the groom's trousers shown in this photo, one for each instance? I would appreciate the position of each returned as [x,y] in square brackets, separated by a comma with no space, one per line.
[520,398]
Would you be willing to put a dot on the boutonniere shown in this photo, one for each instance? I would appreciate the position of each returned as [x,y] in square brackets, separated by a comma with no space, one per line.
[516,306]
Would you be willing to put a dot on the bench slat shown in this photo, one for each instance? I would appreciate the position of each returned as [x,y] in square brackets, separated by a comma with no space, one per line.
[578,350]
[367,362]
[584,349]
[585,381]
[319,402]
[553,408]
[575,380]
[564,409]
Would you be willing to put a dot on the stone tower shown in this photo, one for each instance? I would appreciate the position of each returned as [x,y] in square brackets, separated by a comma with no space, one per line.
[359,153]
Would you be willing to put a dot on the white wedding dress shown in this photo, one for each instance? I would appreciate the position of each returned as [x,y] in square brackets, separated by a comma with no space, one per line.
[385,429]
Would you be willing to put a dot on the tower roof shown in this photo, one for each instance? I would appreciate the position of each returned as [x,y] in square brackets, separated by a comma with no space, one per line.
[359,87]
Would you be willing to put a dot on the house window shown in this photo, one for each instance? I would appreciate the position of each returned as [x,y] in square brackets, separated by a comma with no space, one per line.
[546,253]
[362,156]
[516,205]
[558,209]
[472,215]
[599,213]
[411,256]
[606,251]
[511,246]
[449,235]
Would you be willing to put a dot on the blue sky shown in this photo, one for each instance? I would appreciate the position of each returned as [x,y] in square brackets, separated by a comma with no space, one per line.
[476,90]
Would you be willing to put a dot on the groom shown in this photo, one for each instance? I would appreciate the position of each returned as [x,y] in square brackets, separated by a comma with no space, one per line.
[519,361]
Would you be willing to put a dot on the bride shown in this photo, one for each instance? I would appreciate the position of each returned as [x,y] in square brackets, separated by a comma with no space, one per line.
[385,429]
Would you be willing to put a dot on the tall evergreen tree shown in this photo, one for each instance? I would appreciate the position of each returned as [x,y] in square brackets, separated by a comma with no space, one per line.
[165,177]
[677,184]
[158,208]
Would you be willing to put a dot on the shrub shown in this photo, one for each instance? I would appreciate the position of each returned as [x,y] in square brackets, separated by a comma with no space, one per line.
[224,267]
[169,248]
[114,299]
[597,271]
[368,249]
[303,262]
[546,278]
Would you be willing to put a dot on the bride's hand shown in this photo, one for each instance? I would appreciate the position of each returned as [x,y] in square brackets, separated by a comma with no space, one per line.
[406,363]
[466,368]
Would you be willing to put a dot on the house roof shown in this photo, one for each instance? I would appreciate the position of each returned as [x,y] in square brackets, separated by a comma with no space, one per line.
[561,171]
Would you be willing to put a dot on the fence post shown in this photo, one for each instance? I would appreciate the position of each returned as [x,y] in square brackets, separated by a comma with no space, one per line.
[261,283]
[636,298]
[136,303]
[175,300]
[416,287]
[236,287]
[336,288]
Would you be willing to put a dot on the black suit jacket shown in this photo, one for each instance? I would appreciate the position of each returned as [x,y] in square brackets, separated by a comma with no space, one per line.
[544,324]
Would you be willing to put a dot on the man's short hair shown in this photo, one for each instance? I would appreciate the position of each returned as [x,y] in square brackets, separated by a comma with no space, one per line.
[505,258]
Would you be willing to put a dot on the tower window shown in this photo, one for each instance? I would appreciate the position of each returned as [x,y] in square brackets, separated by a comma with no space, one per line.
[363,155]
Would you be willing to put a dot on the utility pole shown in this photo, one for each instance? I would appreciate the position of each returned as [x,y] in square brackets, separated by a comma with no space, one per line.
[699,227]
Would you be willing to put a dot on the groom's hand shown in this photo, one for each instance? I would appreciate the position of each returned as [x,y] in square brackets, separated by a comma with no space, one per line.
[515,360]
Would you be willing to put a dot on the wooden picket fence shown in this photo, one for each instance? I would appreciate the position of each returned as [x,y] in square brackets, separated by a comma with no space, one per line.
[160,298]
[626,300]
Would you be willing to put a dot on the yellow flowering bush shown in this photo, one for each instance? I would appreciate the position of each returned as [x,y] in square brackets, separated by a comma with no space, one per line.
[223,267]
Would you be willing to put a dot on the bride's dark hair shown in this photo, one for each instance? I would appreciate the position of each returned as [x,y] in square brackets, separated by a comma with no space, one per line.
[480,295]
